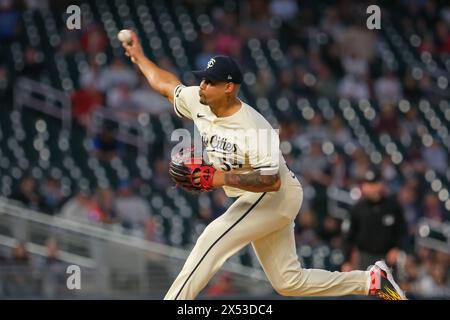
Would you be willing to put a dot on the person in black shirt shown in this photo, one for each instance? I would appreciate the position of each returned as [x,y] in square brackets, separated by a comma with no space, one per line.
[377,226]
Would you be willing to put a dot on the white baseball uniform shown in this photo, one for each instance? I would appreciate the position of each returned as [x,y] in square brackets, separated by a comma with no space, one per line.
[266,219]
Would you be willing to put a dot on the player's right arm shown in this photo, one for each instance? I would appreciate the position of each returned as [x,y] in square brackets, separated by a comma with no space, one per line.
[160,80]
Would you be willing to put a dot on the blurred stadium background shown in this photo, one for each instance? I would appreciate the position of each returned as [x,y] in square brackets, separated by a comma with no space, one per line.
[84,142]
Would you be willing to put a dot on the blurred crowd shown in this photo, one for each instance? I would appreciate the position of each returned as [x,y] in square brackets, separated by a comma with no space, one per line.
[25,275]
[326,53]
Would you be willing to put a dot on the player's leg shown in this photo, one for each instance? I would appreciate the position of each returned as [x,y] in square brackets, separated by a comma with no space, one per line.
[278,257]
[243,222]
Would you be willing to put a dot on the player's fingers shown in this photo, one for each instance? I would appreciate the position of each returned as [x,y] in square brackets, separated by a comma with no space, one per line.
[134,37]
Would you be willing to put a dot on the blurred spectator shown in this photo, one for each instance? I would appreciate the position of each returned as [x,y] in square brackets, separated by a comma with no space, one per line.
[443,37]
[435,157]
[411,88]
[102,210]
[354,88]
[93,39]
[257,13]
[339,171]
[70,42]
[52,196]
[9,21]
[315,169]
[285,86]
[314,163]
[377,226]
[90,76]
[388,88]
[118,99]
[52,271]
[85,208]
[28,195]
[77,208]
[220,203]
[410,275]
[387,122]
[84,102]
[306,226]
[359,165]
[265,82]
[19,281]
[410,126]
[357,48]
[117,73]
[287,10]
[36,4]
[339,134]
[153,230]
[326,83]
[389,174]
[145,99]
[432,208]
[316,130]
[161,180]
[132,211]
[355,66]
[33,63]
[435,284]
[331,23]
[331,57]
[407,197]
[20,255]
[5,85]
[105,145]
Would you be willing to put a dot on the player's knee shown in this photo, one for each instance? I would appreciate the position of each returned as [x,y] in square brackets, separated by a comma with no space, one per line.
[283,287]
[284,290]
[289,285]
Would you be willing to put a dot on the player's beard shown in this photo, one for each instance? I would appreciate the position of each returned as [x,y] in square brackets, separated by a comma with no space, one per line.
[202,100]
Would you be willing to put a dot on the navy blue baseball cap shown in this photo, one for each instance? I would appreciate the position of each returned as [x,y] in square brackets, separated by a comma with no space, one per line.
[372,176]
[221,69]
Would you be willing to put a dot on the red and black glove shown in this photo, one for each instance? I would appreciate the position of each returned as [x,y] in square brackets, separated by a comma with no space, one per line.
[182,169]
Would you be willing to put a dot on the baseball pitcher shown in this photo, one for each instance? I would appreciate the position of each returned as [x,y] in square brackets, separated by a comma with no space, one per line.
[269,196]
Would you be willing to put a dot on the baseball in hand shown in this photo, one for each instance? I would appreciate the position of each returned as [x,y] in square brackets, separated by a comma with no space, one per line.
[124,36]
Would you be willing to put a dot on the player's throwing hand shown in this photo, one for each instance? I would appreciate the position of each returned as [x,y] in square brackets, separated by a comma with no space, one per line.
[133,49]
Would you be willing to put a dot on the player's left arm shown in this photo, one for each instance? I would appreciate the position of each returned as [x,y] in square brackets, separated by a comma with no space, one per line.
[253,182]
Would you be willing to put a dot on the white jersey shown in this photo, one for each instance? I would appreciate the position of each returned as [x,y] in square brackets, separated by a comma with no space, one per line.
[243,142]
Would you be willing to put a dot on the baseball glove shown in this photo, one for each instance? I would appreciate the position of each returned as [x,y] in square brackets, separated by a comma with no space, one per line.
[182,168]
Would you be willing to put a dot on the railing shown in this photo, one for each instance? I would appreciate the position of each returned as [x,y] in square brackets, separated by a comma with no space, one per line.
[116,264]
[130,132]
[43,98]
[434,235]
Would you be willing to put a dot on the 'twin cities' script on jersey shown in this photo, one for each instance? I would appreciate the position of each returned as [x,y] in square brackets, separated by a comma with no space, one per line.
[226,150]
[219,143]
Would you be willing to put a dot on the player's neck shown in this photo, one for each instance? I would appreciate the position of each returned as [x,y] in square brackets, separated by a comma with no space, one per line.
[226,108]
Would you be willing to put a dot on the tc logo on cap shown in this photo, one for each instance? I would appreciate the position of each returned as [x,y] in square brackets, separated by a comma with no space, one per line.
[210,63]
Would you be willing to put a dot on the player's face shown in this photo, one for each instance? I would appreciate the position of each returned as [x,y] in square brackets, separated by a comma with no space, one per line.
[372,190]
[211,92]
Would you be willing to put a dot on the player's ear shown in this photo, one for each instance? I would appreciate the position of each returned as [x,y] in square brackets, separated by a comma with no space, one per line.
[229,87]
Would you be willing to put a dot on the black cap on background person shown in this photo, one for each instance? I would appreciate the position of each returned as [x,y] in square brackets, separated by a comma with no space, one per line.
[372,176]
[221,69]
[372,185]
